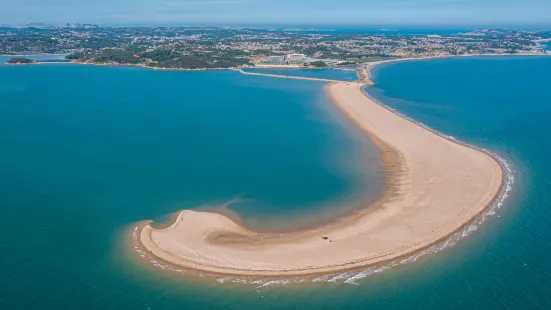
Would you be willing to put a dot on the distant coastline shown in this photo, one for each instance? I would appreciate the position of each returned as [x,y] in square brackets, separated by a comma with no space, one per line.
[364,70]
[108,64]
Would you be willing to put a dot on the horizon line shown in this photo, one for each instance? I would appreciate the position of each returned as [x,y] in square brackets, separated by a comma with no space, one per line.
[289,25]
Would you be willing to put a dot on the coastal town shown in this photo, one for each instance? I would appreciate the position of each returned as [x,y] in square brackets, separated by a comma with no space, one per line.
[217,47]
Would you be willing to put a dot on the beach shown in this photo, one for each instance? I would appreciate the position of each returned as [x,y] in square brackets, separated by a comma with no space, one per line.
[434,186]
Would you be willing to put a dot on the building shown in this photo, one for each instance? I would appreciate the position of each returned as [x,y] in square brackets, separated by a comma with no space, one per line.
[274,60]
[295,58]
[289,59]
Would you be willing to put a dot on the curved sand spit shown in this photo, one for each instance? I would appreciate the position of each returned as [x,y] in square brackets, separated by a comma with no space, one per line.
[434,186]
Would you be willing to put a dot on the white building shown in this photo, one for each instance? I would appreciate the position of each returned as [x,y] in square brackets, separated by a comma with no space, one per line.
[295,58]
[289,57]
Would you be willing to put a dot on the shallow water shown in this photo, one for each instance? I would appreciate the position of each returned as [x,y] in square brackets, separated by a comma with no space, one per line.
[90,148]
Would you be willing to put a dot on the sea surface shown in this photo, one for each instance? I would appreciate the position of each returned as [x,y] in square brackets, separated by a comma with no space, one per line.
[366,29]
[88,151]
[333,74]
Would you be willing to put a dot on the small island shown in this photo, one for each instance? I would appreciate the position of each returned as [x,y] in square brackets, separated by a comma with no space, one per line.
[20,61]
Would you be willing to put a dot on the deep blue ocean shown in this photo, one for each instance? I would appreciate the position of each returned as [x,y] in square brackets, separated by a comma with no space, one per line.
[88,151]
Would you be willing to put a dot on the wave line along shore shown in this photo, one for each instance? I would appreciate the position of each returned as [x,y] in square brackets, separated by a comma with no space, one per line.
[434,187]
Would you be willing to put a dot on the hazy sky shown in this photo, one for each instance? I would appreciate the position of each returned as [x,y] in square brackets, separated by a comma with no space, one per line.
[326,12]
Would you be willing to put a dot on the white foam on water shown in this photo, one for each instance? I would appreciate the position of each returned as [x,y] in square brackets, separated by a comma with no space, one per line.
[278,282]
[222,280]
[322,278]
[341,276]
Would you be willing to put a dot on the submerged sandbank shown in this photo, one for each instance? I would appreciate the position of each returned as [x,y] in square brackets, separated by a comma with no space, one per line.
[434,186]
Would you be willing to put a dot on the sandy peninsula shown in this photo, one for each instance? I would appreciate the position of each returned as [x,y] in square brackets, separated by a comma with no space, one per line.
[434,186]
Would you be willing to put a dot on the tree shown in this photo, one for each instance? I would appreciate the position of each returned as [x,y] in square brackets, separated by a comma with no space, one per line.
[22,61]
[318,64]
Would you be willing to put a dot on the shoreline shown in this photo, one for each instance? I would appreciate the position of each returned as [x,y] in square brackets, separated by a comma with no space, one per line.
[240,237]
[363,70]
[72,62]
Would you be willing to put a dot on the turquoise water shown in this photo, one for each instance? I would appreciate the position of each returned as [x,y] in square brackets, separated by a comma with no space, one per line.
[546,45]
[92,150]
[333,74]
[87,151]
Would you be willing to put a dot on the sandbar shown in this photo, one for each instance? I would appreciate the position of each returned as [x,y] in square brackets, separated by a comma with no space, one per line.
[433,187]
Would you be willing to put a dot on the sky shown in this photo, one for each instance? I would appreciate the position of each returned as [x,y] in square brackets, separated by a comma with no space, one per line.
[279,12]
